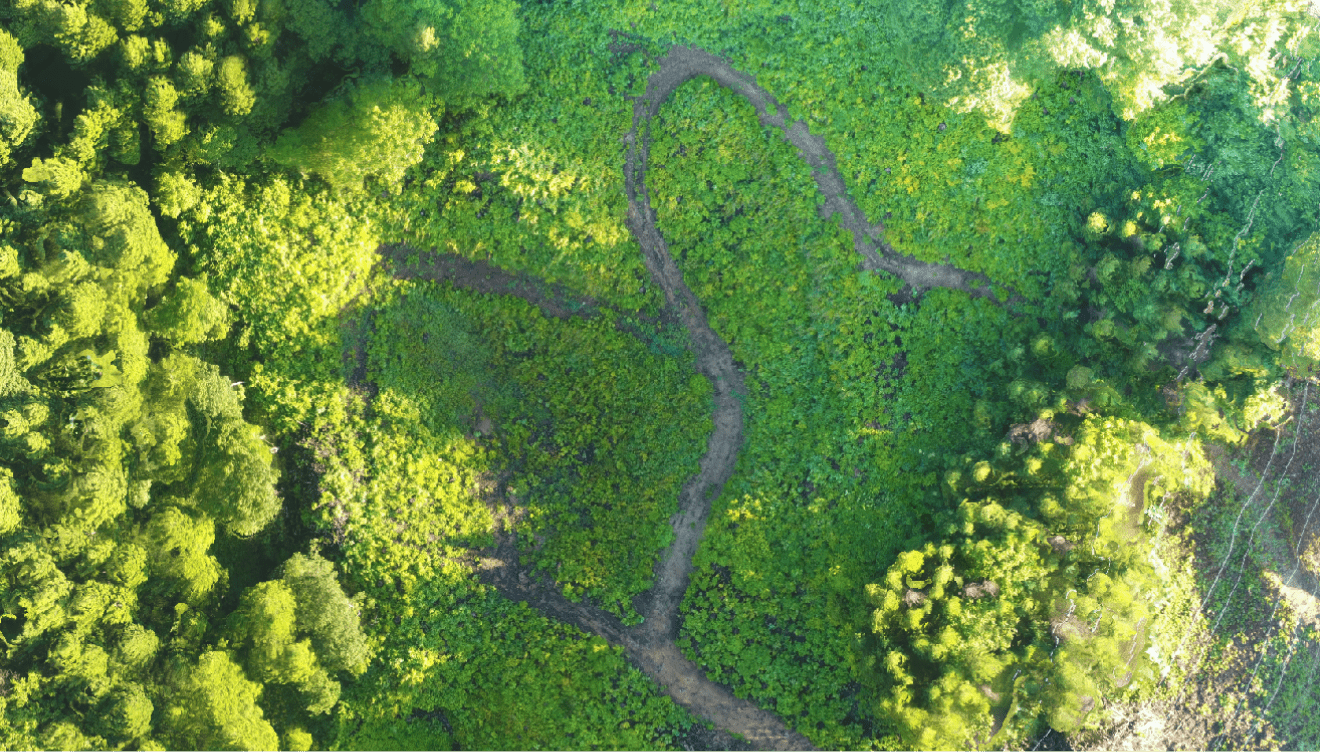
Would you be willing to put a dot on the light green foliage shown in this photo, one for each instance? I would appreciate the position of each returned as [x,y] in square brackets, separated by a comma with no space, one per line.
[298,740]
[126,714]
[425,481]
[286,260]
[377,129]
[176,194]
[236,95]
[1068,616]
[194,73]
[867,422]
[234,478]
[189,315]
[1108,455]
[56,176]
[500,675]
[563,400]
[326,614]
[1286,310]
[178,545]
[1207,411]
[10,512]
[77,29]
[828,467]
[97,557]
[137,645]
[1264,407]
[36,585]
[1161,137]
[128,15]
[990,52]
[464,49]
[82,309]
[64,735]
[167,124]
[123,236]
[426,349]
[214,706]
[104,129]
[264,628]
[946,622]
[18,117]
[121,457]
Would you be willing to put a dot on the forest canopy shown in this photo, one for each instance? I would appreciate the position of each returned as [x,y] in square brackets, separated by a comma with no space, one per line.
[296,293]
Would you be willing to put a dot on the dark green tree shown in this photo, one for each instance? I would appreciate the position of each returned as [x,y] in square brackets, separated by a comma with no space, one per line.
[462,49]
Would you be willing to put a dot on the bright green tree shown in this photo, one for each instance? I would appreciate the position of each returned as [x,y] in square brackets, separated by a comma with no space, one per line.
[18,118]
[125,716]
[189,314]
[378,128]
[179,544]
[326,614]
[945,624]
[234,477]
[265,628]
[214,706]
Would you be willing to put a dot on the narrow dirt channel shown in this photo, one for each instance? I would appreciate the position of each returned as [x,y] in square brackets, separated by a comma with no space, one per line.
[651,645]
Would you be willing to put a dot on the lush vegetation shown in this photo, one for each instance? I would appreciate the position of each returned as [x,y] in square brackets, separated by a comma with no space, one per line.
[245,471]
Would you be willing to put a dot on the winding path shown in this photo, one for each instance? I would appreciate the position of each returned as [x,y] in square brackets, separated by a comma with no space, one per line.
[651,645]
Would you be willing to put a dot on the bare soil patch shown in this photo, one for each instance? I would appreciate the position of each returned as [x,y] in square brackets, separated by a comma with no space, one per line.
[482,276]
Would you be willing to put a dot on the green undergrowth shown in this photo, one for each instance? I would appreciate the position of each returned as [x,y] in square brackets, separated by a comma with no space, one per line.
[536,185]
[397,474]
[839,461]
[1289,679]
[1255,586]
[1237,559]
[595,428]
[592,431]
[460,667]
[858,406]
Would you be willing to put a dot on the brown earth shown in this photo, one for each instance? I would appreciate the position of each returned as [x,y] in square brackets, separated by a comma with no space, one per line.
[555,301]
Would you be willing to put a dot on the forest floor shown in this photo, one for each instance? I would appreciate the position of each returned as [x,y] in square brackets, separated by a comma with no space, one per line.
[651,645]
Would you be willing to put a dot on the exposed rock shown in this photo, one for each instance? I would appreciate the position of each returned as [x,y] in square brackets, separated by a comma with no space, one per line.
[986,589]
[1031,433]
[913,598]
[1060,544]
